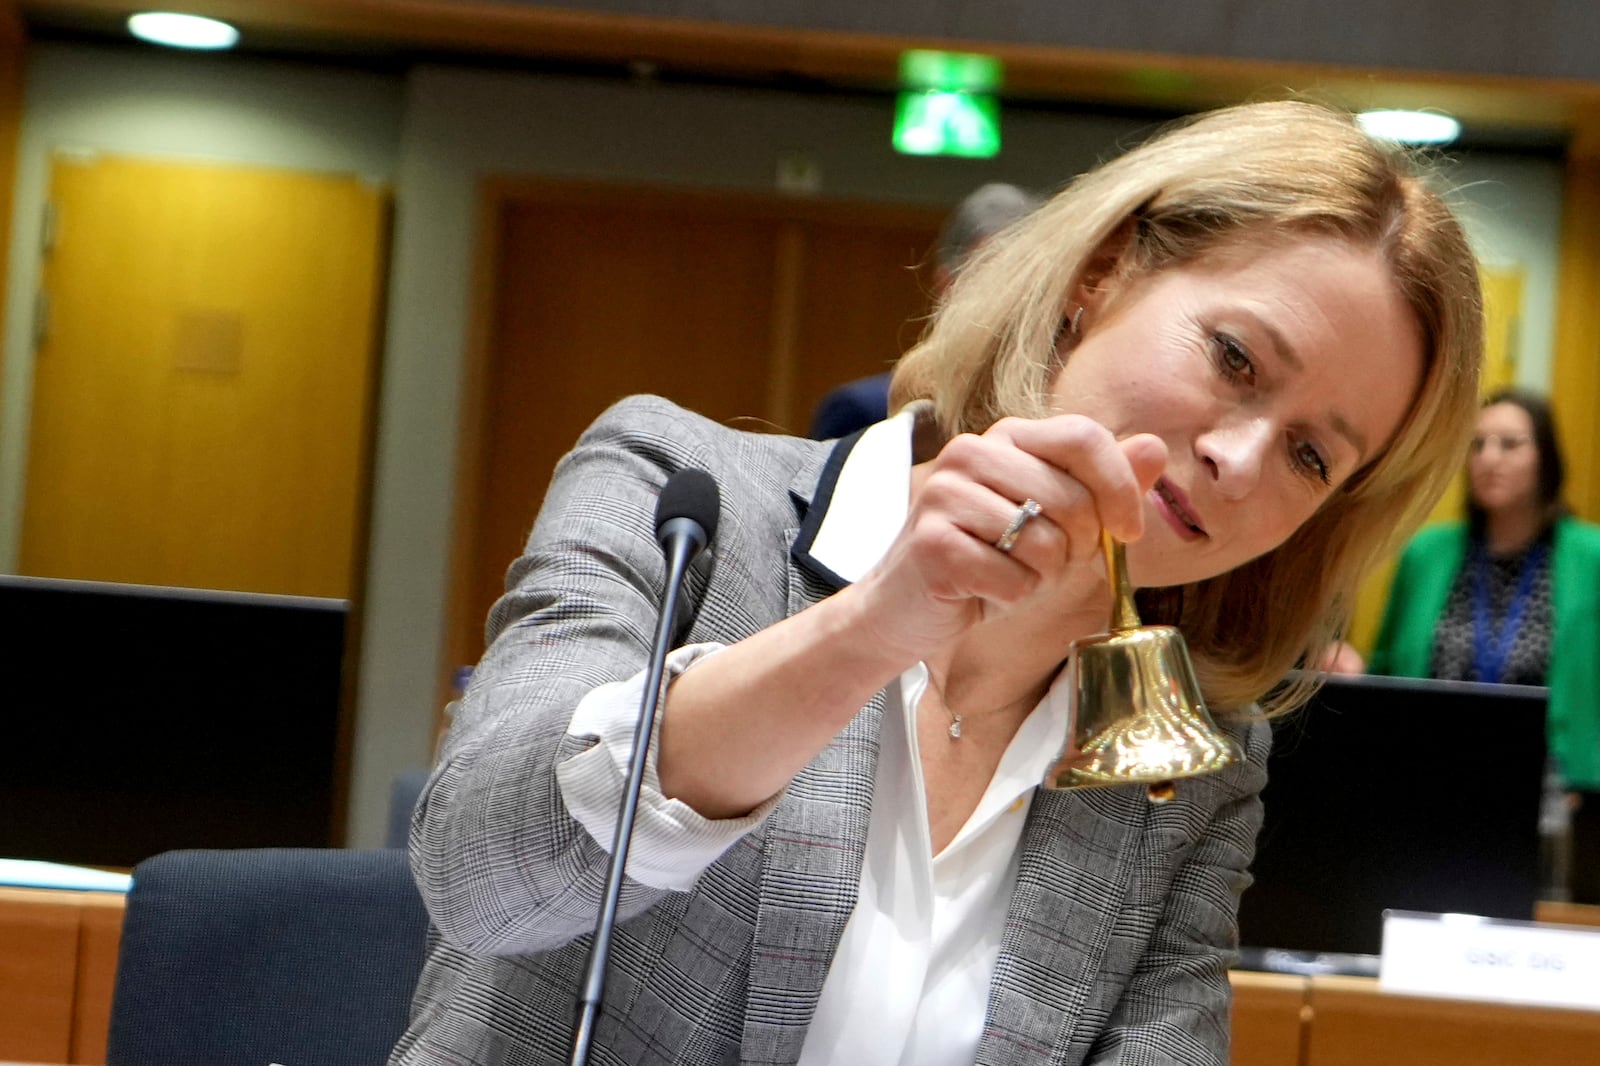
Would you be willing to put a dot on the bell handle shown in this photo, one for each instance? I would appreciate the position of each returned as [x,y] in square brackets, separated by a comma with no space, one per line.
[1124,615]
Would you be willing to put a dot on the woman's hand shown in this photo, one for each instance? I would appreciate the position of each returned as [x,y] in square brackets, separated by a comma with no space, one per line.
[943,574]
[740,725]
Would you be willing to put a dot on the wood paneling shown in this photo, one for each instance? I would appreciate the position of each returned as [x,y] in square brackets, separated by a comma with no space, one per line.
[1270,1016]
[597,303]
[1559,912]
[1354,1024]
[58,966]
[202,399]
[38,972]
[1575,369]
[745,309]
[58,961]
[866,292]
[99,941]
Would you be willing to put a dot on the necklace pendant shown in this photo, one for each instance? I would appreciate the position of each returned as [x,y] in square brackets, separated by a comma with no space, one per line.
[955,727]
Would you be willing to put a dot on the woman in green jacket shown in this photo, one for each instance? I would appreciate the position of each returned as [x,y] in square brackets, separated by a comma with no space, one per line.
[1512,594]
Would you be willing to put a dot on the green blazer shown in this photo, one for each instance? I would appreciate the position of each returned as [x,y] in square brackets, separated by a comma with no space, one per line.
[1417,598]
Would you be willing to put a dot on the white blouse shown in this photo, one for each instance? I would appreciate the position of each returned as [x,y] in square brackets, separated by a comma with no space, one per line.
[909,983]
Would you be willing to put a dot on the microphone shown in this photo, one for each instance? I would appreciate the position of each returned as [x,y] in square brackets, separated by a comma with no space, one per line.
[686,521]
[687,510]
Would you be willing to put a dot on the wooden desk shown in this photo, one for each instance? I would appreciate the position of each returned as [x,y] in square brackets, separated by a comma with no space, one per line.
[58,964]
[58,960]
[1270,1015]
[1354,1024]
[1555,913]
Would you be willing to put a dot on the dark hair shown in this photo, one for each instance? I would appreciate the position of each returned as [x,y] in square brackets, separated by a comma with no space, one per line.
[1552,468]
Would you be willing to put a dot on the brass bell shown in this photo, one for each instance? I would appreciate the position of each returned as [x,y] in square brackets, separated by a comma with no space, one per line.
[1139,715]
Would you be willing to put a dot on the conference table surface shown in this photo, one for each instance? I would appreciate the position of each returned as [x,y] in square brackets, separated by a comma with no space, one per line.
[58,971]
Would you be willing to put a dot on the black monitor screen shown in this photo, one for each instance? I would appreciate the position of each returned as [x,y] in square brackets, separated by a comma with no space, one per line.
[1395,793]
[141,719]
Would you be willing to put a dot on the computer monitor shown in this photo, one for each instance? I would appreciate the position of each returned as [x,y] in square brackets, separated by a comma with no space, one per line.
[139,719]
[1396,793]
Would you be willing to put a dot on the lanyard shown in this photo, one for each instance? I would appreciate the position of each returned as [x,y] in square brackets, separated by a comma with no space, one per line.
[1489,652]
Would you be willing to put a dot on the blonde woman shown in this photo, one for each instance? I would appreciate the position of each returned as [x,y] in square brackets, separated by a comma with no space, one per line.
[1248,348]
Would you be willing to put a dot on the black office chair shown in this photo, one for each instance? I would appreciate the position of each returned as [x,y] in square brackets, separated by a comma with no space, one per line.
[299,956]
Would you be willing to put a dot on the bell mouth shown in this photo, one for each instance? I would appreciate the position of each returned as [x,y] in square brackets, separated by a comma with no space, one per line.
[1120,761]
[1138,713]
[1139,716]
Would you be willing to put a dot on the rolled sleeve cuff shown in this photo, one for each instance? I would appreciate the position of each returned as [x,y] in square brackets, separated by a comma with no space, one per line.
[671,842]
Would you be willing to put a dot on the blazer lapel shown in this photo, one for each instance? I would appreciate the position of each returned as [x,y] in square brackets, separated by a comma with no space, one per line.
[1076,864]
[812,844]
[812,491]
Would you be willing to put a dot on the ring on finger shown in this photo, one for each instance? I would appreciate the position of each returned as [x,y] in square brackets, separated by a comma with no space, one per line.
[1028,511]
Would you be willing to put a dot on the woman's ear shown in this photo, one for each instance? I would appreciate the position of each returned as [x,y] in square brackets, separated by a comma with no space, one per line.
[1100,273]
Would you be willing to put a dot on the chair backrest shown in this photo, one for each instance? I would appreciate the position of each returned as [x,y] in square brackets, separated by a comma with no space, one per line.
[404,793]
[298,956]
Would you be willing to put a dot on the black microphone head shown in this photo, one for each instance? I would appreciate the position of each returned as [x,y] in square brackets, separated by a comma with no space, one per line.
[691,494]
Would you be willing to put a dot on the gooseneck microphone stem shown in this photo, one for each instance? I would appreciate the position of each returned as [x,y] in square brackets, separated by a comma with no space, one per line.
[686,520]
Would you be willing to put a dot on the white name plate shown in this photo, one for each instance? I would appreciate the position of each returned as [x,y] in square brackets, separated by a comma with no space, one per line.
[1461,956]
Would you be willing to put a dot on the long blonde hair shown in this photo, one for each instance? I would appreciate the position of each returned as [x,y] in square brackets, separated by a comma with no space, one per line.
[1260,173]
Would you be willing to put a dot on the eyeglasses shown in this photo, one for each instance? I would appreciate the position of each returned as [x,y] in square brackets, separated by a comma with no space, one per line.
[1505,445]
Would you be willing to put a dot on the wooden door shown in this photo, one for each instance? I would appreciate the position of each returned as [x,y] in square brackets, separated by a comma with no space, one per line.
[203,390]
[744,309]
[865,294]
[595,302]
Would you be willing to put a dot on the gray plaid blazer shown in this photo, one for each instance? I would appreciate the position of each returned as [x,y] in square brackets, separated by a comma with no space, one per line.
[1120,928]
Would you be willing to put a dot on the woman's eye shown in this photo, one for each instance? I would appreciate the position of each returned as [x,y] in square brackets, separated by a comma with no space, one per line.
[1310,461]
[1232,359]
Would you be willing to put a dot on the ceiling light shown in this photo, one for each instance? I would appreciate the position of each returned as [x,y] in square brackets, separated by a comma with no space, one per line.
[1411,127]
[182,31]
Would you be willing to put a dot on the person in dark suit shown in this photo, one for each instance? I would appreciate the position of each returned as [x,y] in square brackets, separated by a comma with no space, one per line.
[1248,348]
[984,212]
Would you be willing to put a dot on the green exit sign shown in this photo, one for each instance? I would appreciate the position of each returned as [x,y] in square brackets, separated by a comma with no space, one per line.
[947,106]
[934,122]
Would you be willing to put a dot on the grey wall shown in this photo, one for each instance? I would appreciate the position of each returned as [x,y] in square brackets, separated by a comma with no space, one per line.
[1552,38]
